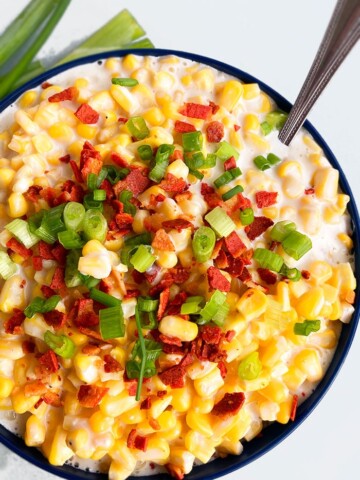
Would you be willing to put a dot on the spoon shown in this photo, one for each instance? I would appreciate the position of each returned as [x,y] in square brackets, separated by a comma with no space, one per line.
[341,35]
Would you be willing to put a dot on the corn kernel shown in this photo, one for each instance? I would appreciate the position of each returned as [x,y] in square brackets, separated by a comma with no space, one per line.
[201,447]
[308,361]
[209,384]
[231,94]
[310,303]
[61,131]
[252,304]
[12,294]
[345,239]
[181,399]
[18,205]
[251,122]
[186,80]
[130,62]
[204,79]
[6,387]
[178,168]
[251,90]
[174,326]
[124,98]
[154,116]
[6,177]
[28,99]
[35,432]
[100,423]
[166,259]
[199,422]
[86,131]
[276,391]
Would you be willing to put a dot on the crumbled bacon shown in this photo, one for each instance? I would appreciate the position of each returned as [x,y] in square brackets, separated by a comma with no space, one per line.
[173,184]
[210,196]
[13,324]
[90,396]
[19,248]
[111,365]
[223,370]
[175,471]
[217,281]
[83,313]
[258,227]
[146,404]
[229,405]
[136,441]
[235,245]
[229,335]
[55,319]
[76,171]
[245,275]
[45,251]
[58,280]
[49,361]
[267,276]
[33,193]
[211,335]
[68,94]
[170,340]
[176,302]
[28,347]
[305,274]
[309,191]
[178,224]
[221,261]
[123,220]
[47,291]
[163,301]
[214,108]
[173,376]
[136,181]
[265,199]
[236,266]
[215,132]
[65,158]
[230,163]
[87,114]
[184,127]
[237,128]
[59,253]
[179,274]
[53,399]
[294,407]
[187,360]
[90,333]
[35,388]
[195,110]
[119,160]
[91,349]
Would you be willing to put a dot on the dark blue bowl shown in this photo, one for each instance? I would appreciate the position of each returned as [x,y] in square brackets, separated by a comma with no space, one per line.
[275,433]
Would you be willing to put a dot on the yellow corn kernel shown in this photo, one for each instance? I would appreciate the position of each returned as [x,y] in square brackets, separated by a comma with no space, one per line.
[290,167]
[186,80]
[100,423]
[18,205]
[21,403]
[113,406]
[283,415]
[12,294]
[336,311]
[28,99]
[154,116]
[271,212]
[163,80]
[133,416]
[59,451]
[86,131]
[130,62]
[236,140]
[209,384]
[159,406]
[273,351]
[6,387]
[178,168]
[181,399]
[35,432]
[6,177]
[159,135]
[138,223]
[308,361]
[253,385]
[175,326]
[343,278]
[87,367]
[266,103]
[326,182]
[345,239]
[326,339]
[241,426]
[258,142]
[199,422]
[231,94]
[320,272]
[251,90]
[157,451]
[181,458]
[167,421]
[61,131]
[268,410]
[4,162]
[201,447]
[251,122]
[122,454]
[310,303]
[342,201]
[124,97]
[204,79]
[29,126]
[276,391]
[118,471]
[42,143]
[252,304]
[309,142]
[166,259]
[114,245]
[186,257]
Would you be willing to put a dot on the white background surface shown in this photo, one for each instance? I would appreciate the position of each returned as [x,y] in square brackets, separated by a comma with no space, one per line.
[275,41]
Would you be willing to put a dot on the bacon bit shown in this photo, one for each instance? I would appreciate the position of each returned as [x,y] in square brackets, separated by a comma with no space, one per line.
[217,248]
[178,224]
[87,114]
[214,132]
[68,94]
[258,227]
[59,253]
[90,396]
[91,349]
[19,248]
[221,261]
[13,324]
[195,110]
[46,85]
[111,365]
[245,275]
[33,193]
[154,424]
[118,160]
[170,340]
[146,404]
[236,266]
[28,347]
[175,471]
[211,335]
[210,196]
[162,241]
[173,376]
[173,184]
[183,127]
[230,163]
[45,251]
[37,263]
[229,405]
[294,405]
[76,171]
[137,442]
[179,274]
[123,220]
[122,119]
[215,108]
[237,128]
[176,303]
[47,291]
[229,335]
[204,351]
[217,281]
[90,333]
[176,155]
[36,388]
[135,181]
[84,314]
[309,191]
[267,276]
[53,399]
[265,199]
[49,361]
[223,370]
[58,280]
[305,274]
[55,319]
[274,245]
[65,159]
[235,245]
[161,393]
[163,301]
[132,293]
[91,165]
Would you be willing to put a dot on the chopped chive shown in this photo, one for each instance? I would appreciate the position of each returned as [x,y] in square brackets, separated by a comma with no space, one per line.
[112,322]
[203,243]
[41,305]
[192,141]
[70,239]
[190,308]
[262,163]
[95,225]
[99,195]
[266,128]
[138,128]
[142,259]
[7,267]
[72,274]
[125,82]
[225,151]
[147,304]
[125,197]
[74,214]
[273,159]
[140,239]
[296,244]
[224,178]
[268,259]
[145,152]
[20,229]
[62,345]
[221,314]
[114,174]
[92,181]
[104,298]
[281,230]
[91,204]
[209,311]
[250,367]
[161,162]
[276,119]
[231,193]
[307,327]
[196,174]
[247,216]
[220,222]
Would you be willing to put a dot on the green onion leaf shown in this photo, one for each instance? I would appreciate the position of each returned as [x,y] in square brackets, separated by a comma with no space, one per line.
[196,174]
[113,174]
[91,204]
[192,141]
[203,243]
[41,305]
[72,274]
[296,244]
[307,327]
[220,222]
[247,216]
[276,119]
[262,163]
[70,239]
[226,151]
[273,159]
[125,82]
[60,344]
[250,367]
[268,259]
[147,304]
[104,298]
[211,307]
[99,195]
[112,322]
[140,239]
[231,193]
[281,230]
[266,128]
[221,314]
[145,152]
[161,162]
[138,128]
[142,259]
[92,181]
[7,267]
[21,231]
[125,197]
[74,214]
[190,308]
[95,225]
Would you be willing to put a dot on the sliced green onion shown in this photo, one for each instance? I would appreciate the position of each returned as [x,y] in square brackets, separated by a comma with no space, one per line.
[70,239]
[268,259]
[203,243]
[112,322]
[195,161]
[99,195]
[21,231]
[104,298]
[292,274]
[296,244]
[125,197]
[266,128]
[307,327]
[138,128]
[281,230]
[51,224]
[221,314]
[140,239]
[161,162]
[195,298]
[92,181]
[148,319]
[262,163]
[231,193]
[220,222]
[34,221]
[74,214]
[95,225]
[142,259]
[125,82]
[210,161]
[72,274]
[91,204]
[147,304]
[88,281]
[192,141]
[211,307]
[226,151]
[126,253]
[276,119]
[196,174]
[247,216]
[7,267]
[145,152]
[60,344]
[40,305]
[113,174]
[250,367]
[190,308]
[224,178]
[273,159]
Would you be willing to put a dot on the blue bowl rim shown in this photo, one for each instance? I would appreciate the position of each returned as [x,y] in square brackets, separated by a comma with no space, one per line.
[274,433]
